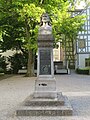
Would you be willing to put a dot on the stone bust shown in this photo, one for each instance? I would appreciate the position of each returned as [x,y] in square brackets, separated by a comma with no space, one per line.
[45,27]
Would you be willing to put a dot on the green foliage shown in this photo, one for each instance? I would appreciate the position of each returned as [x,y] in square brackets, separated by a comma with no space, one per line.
[30,15]
[17,61]
[11,29]
[83,70]
[1,70]
[71,26]
[31,12]
[19,22]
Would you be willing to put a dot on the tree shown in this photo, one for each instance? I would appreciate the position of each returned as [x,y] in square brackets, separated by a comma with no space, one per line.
[10,27]
[19,28]
[30,15]
[19,24]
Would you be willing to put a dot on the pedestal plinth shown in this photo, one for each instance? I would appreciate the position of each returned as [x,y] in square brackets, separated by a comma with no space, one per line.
[45,87]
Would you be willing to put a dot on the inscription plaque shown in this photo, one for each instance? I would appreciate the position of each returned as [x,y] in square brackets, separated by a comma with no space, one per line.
[45,62]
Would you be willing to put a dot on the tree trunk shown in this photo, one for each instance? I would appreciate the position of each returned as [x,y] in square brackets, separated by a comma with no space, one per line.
[30,64]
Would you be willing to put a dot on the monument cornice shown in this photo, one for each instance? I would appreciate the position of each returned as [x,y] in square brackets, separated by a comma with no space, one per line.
[45,37]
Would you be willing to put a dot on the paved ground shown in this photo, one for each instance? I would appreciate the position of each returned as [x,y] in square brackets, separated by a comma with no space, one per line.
[15,89]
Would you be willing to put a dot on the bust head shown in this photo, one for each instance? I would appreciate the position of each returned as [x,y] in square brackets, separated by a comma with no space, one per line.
[45,18]
[45,24]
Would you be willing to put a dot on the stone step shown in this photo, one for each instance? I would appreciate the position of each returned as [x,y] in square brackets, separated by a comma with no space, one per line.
[44,111]
[44,103]
[30,101]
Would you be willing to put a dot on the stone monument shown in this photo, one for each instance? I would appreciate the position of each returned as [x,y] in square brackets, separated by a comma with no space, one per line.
[45,101]
[45,84]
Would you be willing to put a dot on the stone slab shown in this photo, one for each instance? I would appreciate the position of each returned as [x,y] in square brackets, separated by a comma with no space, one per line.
[40,111]
[47,37]
[45,94]
[45,83]
[31,101]
[62,71]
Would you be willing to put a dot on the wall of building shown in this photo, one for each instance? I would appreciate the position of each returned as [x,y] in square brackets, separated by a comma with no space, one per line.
[83,41]
[56,53]
[80,60]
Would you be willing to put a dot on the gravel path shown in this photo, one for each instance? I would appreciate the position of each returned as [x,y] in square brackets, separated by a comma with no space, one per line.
[15,89]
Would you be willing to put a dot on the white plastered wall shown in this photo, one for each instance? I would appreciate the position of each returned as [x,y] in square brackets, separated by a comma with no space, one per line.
[81,60]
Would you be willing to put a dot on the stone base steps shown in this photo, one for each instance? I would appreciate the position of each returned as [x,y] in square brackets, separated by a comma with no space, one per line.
[45,107]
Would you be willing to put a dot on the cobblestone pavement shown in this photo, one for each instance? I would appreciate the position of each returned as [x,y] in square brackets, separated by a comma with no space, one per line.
[15,89]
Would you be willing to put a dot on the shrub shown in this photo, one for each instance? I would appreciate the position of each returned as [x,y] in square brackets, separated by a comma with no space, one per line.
[3,64]
[1,70]
[83,71]
[17,61]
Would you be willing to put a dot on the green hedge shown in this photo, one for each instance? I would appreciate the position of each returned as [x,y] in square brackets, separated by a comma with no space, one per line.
[1,70]
[83,71]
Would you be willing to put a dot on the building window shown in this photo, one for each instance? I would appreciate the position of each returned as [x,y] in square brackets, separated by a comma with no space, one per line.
[88,32]
[87,62]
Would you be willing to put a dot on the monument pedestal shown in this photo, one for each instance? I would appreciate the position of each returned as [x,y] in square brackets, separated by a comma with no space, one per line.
[45,101]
